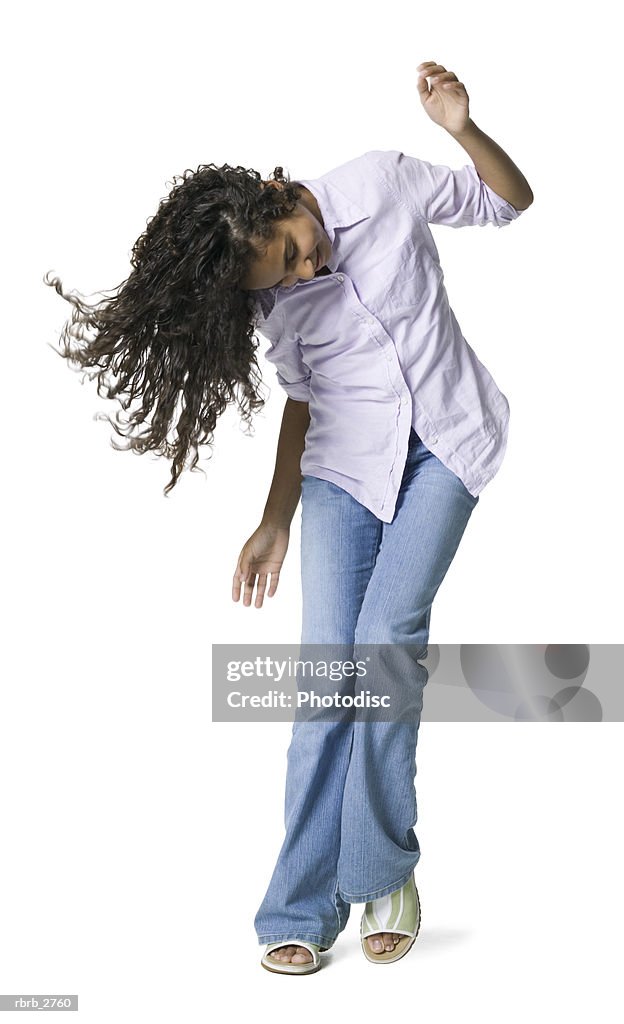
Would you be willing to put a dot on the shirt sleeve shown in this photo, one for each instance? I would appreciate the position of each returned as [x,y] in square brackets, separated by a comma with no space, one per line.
[457,198]
[293,375]
[297,389]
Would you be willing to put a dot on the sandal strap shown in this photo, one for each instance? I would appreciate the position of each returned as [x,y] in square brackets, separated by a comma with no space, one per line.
[397,912]
[392,931]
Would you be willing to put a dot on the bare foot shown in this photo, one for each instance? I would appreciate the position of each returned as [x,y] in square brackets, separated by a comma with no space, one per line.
[383,942]
[292,955]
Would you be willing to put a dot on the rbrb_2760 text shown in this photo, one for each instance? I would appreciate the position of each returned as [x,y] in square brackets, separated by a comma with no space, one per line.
[279,699]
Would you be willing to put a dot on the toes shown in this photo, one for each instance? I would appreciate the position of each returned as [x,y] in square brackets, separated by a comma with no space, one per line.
[292,954]
[301,956]
[283,953]
[383,942]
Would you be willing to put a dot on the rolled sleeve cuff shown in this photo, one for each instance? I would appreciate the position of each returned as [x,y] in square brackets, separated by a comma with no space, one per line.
[297,389]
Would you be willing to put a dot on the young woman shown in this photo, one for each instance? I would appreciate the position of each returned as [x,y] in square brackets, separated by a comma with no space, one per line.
[391,429]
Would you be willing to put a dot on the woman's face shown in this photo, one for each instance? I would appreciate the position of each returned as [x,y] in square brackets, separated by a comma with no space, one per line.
[300,247]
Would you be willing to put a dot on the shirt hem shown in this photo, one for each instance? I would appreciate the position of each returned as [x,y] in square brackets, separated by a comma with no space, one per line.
[358,493]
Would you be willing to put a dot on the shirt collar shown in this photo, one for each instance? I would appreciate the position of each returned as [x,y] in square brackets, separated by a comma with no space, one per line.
[337,211]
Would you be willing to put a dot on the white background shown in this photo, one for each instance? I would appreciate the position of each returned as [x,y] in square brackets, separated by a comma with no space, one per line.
[137,837]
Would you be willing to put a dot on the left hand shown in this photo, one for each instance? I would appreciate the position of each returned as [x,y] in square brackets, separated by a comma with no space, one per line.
[447,100]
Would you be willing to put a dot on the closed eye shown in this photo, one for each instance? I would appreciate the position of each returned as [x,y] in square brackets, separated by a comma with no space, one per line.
[289,260]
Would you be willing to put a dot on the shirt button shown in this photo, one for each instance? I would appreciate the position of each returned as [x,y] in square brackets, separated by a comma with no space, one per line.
[340,278]
[433,440]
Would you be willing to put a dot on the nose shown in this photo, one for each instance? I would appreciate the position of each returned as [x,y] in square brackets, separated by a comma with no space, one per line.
[306,267]
[304,270]
[310,263]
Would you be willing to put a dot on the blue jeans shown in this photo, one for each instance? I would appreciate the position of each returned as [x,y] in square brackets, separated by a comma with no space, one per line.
[350,802]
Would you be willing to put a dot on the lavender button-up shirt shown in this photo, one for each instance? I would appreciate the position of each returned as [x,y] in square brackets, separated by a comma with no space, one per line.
[375,347]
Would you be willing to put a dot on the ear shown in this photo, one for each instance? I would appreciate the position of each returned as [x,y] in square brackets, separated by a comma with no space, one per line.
[274,184]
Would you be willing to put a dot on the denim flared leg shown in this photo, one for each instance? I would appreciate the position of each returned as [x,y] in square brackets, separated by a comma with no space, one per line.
[349,817]
[339,545]
[378,845]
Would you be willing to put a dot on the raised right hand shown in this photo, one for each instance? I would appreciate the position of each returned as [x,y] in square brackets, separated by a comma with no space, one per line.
[262,554]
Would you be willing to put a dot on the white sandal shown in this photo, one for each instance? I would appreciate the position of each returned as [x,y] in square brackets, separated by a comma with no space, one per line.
[398,913]
[289,968]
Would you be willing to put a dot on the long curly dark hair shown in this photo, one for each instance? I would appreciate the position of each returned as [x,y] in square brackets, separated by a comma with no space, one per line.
[179,332]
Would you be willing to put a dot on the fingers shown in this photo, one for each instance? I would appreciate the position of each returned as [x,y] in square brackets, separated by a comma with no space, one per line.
[243,579]
[249,585]
[262,580]
[444,79]
[273,584]
[421,83]
[429,67]
[248,582]
[436,73]
[239,577]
